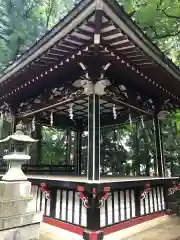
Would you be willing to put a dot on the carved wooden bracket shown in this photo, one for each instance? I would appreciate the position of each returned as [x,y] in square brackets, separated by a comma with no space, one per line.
[94,198]
[146,190]
[45,191]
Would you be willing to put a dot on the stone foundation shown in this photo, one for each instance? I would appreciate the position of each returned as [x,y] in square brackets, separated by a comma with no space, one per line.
[19,219]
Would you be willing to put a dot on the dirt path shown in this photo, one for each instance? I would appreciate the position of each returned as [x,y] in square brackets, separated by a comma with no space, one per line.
[167,231]
[170,230]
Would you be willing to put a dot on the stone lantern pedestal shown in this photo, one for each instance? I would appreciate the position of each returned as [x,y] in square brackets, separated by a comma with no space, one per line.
[19,219]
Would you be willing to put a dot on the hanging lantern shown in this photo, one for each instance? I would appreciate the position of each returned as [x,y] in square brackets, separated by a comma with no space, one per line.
[51,119]
[114,112]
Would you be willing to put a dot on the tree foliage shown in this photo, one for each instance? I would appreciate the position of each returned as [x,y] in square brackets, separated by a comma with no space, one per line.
[53,146]
[23,22]
[160,20]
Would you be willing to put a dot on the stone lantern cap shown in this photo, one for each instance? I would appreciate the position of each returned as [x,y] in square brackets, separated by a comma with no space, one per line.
[19,136]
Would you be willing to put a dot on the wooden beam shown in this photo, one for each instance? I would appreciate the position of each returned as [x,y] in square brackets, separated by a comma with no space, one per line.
[130,106]
[112,32]
[97,32]
[49,106]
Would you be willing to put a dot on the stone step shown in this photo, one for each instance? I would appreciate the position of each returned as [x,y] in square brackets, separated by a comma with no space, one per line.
[14,190]
[17,207]
[20,220]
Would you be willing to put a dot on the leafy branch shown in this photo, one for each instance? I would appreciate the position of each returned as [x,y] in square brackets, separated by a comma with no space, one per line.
[169,15]
[165,11]
[50,10]
[162,36]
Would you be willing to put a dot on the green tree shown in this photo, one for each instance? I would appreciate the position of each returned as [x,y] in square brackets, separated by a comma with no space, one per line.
[171,145]
[23,22]
[126,149]
[160,20]
[53,146]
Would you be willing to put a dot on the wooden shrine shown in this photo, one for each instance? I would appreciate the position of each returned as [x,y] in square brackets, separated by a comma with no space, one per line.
[94,69]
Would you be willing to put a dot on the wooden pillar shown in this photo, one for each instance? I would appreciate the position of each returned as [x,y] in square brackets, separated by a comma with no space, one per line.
[79,151]
[93,216]
[53,192]
[93,230]
[68,147]
[160,168]
[137,151]
[137,193]
[93,161]
[38,146]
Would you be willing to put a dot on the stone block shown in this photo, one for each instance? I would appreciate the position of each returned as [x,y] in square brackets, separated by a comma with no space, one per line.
[20,220]
[16,207]
[30,232]
[15,190]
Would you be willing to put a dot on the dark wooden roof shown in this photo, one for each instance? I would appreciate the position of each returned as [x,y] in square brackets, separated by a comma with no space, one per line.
[54,60]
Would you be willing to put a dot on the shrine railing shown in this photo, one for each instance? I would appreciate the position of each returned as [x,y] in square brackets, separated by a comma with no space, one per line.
[42,168]
[67,200]
[62,204]
[127,204]
[122,205]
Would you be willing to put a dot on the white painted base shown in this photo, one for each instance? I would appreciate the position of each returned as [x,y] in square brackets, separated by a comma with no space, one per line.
[23,233]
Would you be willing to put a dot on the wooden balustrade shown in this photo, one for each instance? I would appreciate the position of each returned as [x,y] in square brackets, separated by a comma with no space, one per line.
[42,168]
[123,204]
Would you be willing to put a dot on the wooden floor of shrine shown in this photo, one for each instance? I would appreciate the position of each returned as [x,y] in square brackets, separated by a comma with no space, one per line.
[102,180]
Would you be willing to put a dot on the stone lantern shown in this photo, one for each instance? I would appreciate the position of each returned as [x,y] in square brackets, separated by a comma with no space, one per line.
[18,144]
[19,218]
